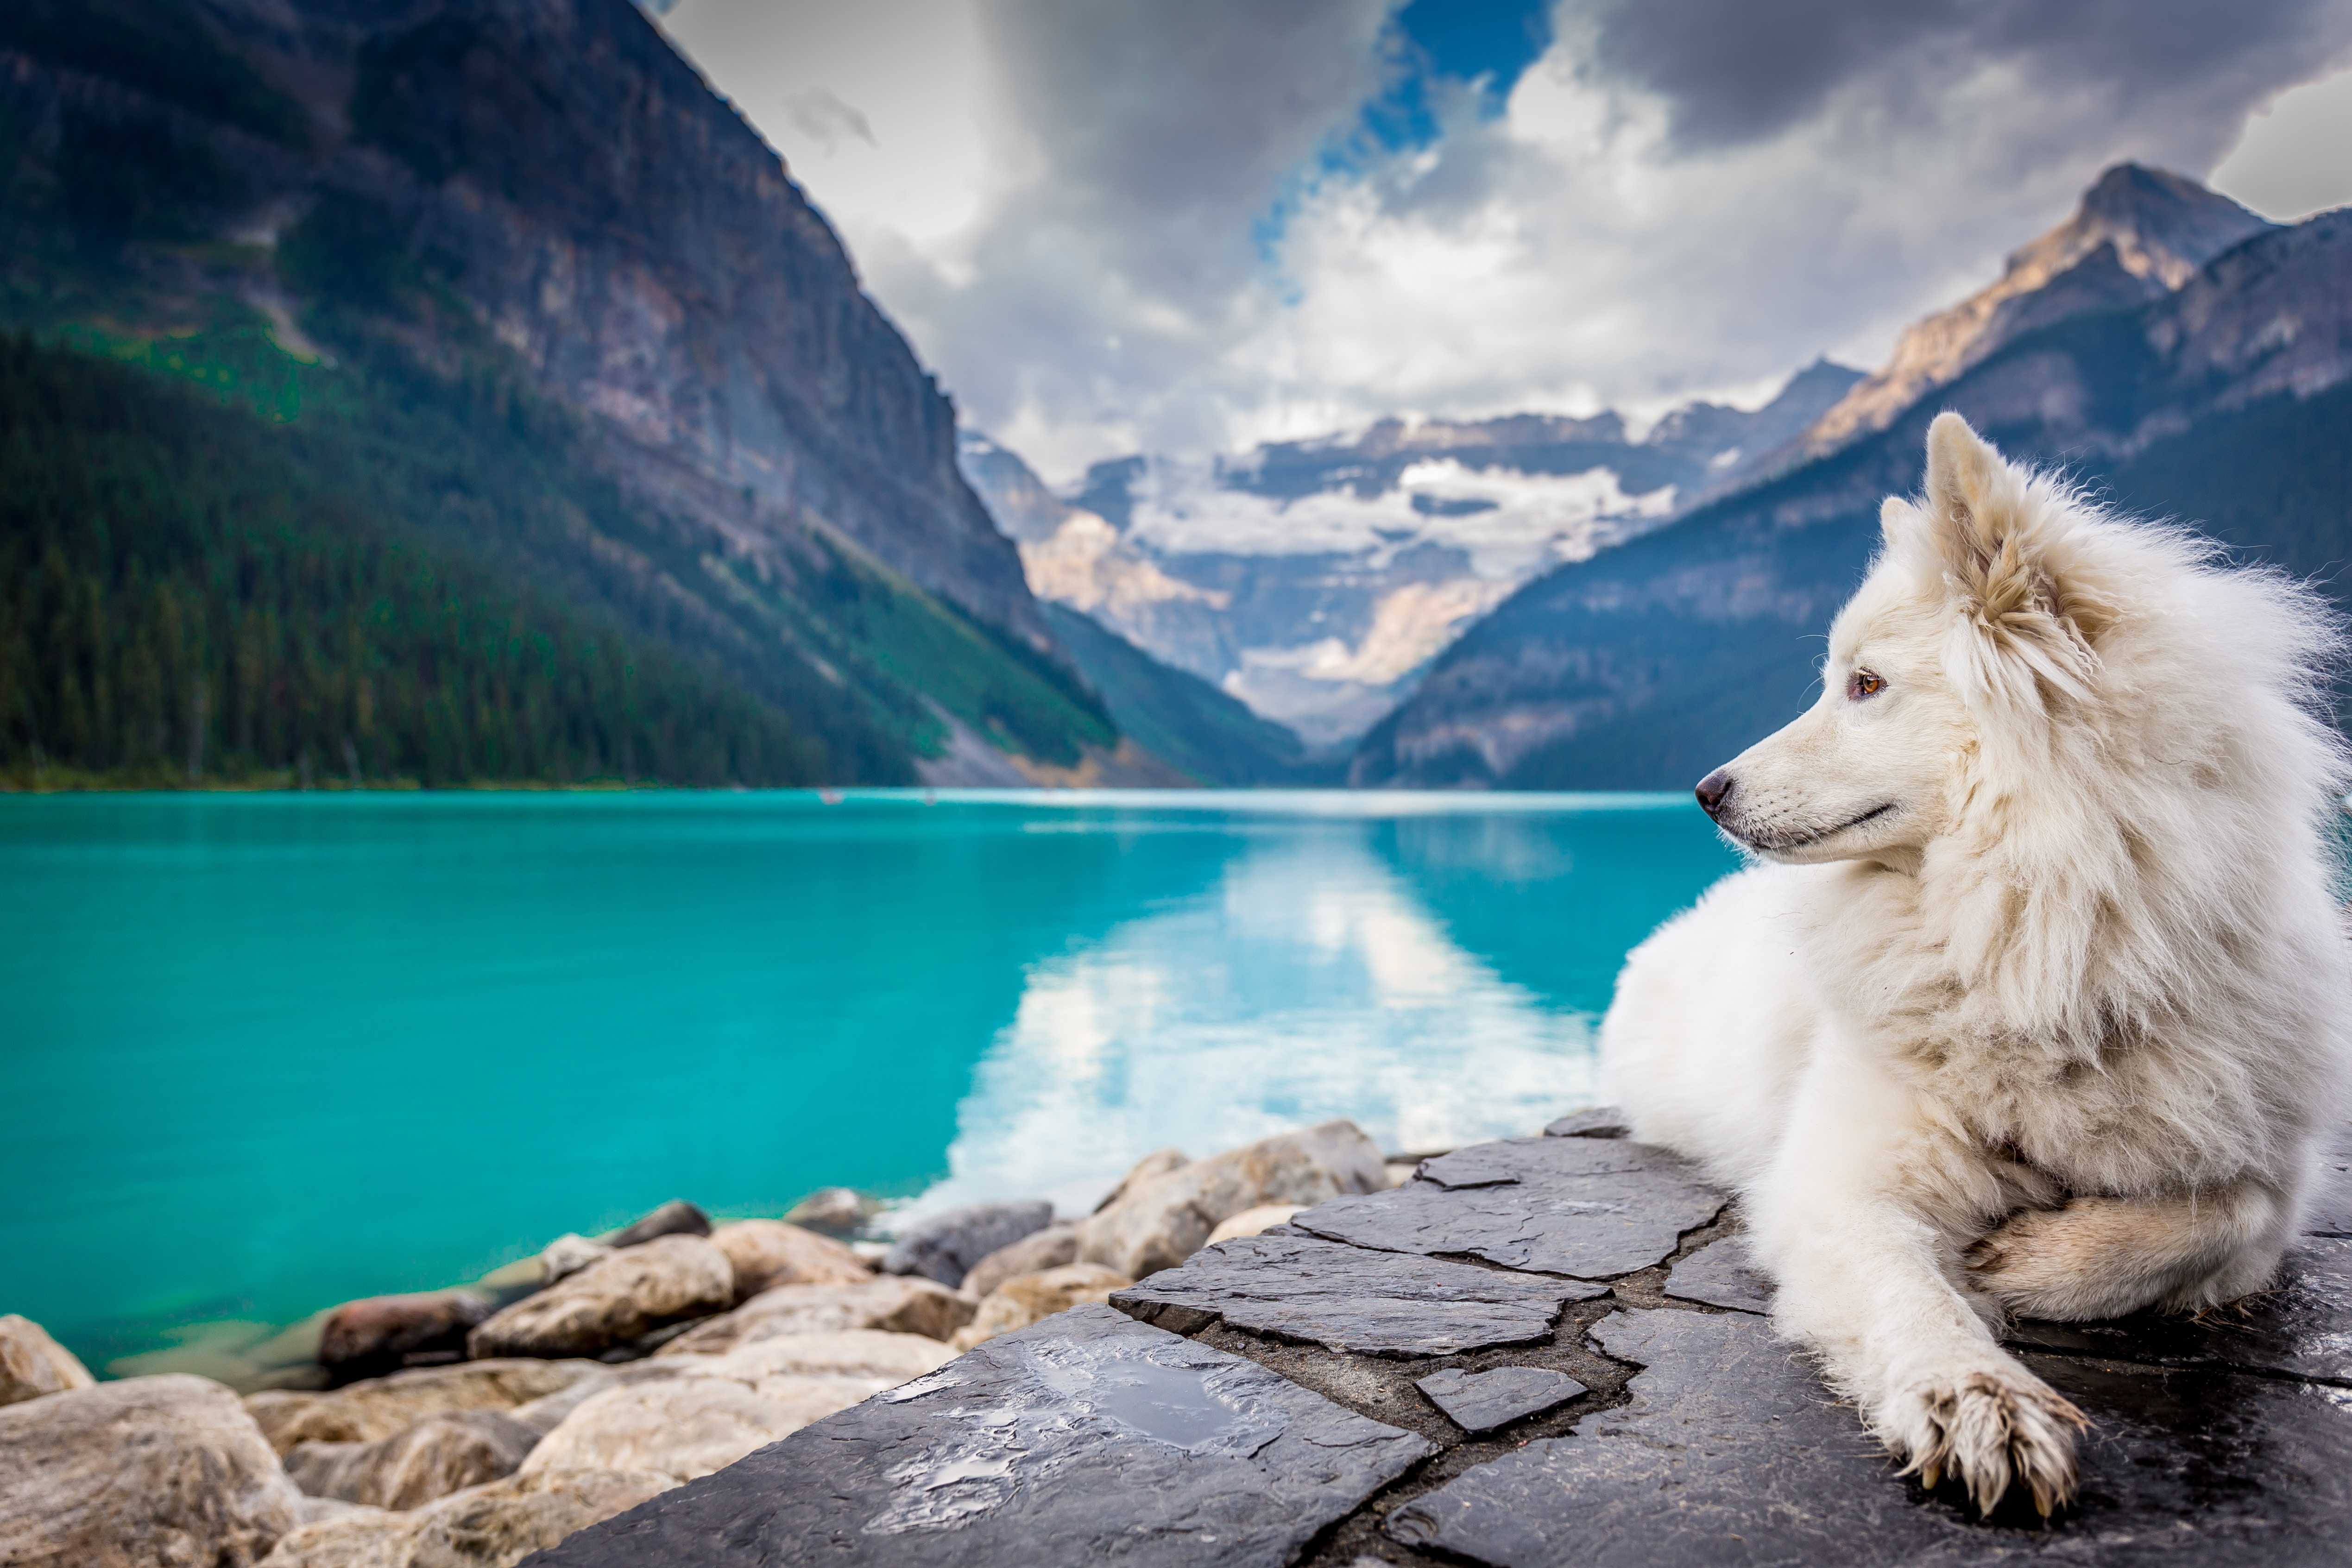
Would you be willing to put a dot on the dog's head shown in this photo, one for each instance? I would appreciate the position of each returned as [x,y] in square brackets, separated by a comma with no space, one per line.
[1979,620]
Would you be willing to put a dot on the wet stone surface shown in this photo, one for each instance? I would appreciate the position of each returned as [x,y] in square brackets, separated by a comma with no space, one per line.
[1089,1436]
[1482,1401]
[1731,1452]
[1590,1207]
[1549,1351]
[1301,1287]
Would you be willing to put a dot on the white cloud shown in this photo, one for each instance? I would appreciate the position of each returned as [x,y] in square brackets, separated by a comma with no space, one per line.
[1114,228]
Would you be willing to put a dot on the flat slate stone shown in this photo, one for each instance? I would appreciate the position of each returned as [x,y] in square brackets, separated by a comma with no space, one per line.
[1301,1286]
[1732,1453]
[1722,1274]
[1482,1401]
[2302,1326]
[1591,1207]
[1088,1437]
[1600,1121]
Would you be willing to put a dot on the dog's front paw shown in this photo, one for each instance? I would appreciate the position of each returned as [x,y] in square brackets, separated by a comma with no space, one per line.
[1989,1428]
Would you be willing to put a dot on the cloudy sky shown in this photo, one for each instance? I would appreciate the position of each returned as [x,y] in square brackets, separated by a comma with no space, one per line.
[1188,225]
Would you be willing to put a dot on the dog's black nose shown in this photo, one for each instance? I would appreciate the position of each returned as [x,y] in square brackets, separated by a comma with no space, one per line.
[1713,789]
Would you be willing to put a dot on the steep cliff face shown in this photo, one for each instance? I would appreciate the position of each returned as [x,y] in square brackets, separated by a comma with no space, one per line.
[494,205]
[2138,234]
[2228,403]
[554,171]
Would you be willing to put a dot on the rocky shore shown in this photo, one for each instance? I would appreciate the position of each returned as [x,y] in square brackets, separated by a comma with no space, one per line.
[1538,1353]
[468,1428]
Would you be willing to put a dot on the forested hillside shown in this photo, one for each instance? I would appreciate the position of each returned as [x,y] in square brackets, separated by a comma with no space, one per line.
[507,286]
[188,594]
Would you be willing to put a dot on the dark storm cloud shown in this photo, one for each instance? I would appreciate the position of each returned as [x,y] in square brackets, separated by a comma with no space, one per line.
[1733,71]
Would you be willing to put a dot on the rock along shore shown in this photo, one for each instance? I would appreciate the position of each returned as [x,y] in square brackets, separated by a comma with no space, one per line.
[1544,1352]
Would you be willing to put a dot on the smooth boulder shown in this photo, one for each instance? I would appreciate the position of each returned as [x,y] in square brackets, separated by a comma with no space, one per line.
[381,1406]
[836,1211]
[567,1255]
[946,1246]
[32,1363]
[1159,1223]
[765,1253]
[1151,1167]
[1026,1298]
[613,1302]
[495,1525]
[379,1334]
[1047,1248]
[437,1456]
[1254,1222]
[144,1472]
[892,1304]
[676,1218]
[688,1427]
[893,1358]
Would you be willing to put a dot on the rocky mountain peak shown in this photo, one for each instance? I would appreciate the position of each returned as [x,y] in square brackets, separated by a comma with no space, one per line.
[2143,232]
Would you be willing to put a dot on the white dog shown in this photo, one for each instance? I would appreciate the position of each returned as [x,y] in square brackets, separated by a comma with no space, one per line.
[2046,995]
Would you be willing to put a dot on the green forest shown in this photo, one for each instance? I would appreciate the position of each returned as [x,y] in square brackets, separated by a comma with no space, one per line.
[183,601]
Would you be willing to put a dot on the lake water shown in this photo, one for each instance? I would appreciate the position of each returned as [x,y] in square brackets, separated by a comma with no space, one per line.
[267,1052]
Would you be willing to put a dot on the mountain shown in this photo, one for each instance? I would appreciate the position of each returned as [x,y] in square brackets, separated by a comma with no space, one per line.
[515,256]
[2227,402]
[2138,234]
[1315,580]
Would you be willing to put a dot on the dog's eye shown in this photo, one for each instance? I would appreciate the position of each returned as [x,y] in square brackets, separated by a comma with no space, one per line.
[1862,683]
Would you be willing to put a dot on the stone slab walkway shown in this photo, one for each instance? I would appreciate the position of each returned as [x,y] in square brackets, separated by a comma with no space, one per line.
[1537,1353]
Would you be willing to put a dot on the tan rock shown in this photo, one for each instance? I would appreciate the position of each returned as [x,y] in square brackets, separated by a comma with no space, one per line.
[32,1363]
[437,1456]
[144,1472]
[380,1406]
[905,1304]
[613,1301]
[689,1427]
[1026,1298]
[568,1254]
[834,1210]
[766,1253]
[1047,1248]
[863,1353]
[545,1415]
[375,1333]
[1161,1222]
[491,1526]
[1151,1167]
[1252,1221]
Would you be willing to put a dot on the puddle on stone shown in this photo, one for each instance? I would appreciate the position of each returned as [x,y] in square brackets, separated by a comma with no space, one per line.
[1203,1410]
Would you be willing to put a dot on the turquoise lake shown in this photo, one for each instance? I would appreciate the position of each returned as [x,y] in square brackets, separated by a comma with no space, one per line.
[267,1052]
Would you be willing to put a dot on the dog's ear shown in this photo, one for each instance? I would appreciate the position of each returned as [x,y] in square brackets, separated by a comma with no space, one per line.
[2006,566]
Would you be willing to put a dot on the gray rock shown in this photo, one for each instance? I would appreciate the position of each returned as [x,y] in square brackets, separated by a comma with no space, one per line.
[945,1247]
[1033,1254]
[1089,1438]
[1596,1122]
[437,1456]
[1731,1452]
[836,1211]
[32,1363]
[613,1302]
[2302,1326]
[1587,1207]
[676,1218]
[1482,1401]
[139,1472]
[1156,1224]
[1722,1274]
[1346,1298]
[379,1334]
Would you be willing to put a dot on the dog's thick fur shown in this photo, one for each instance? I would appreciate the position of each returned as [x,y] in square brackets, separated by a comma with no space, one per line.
[2046,995]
